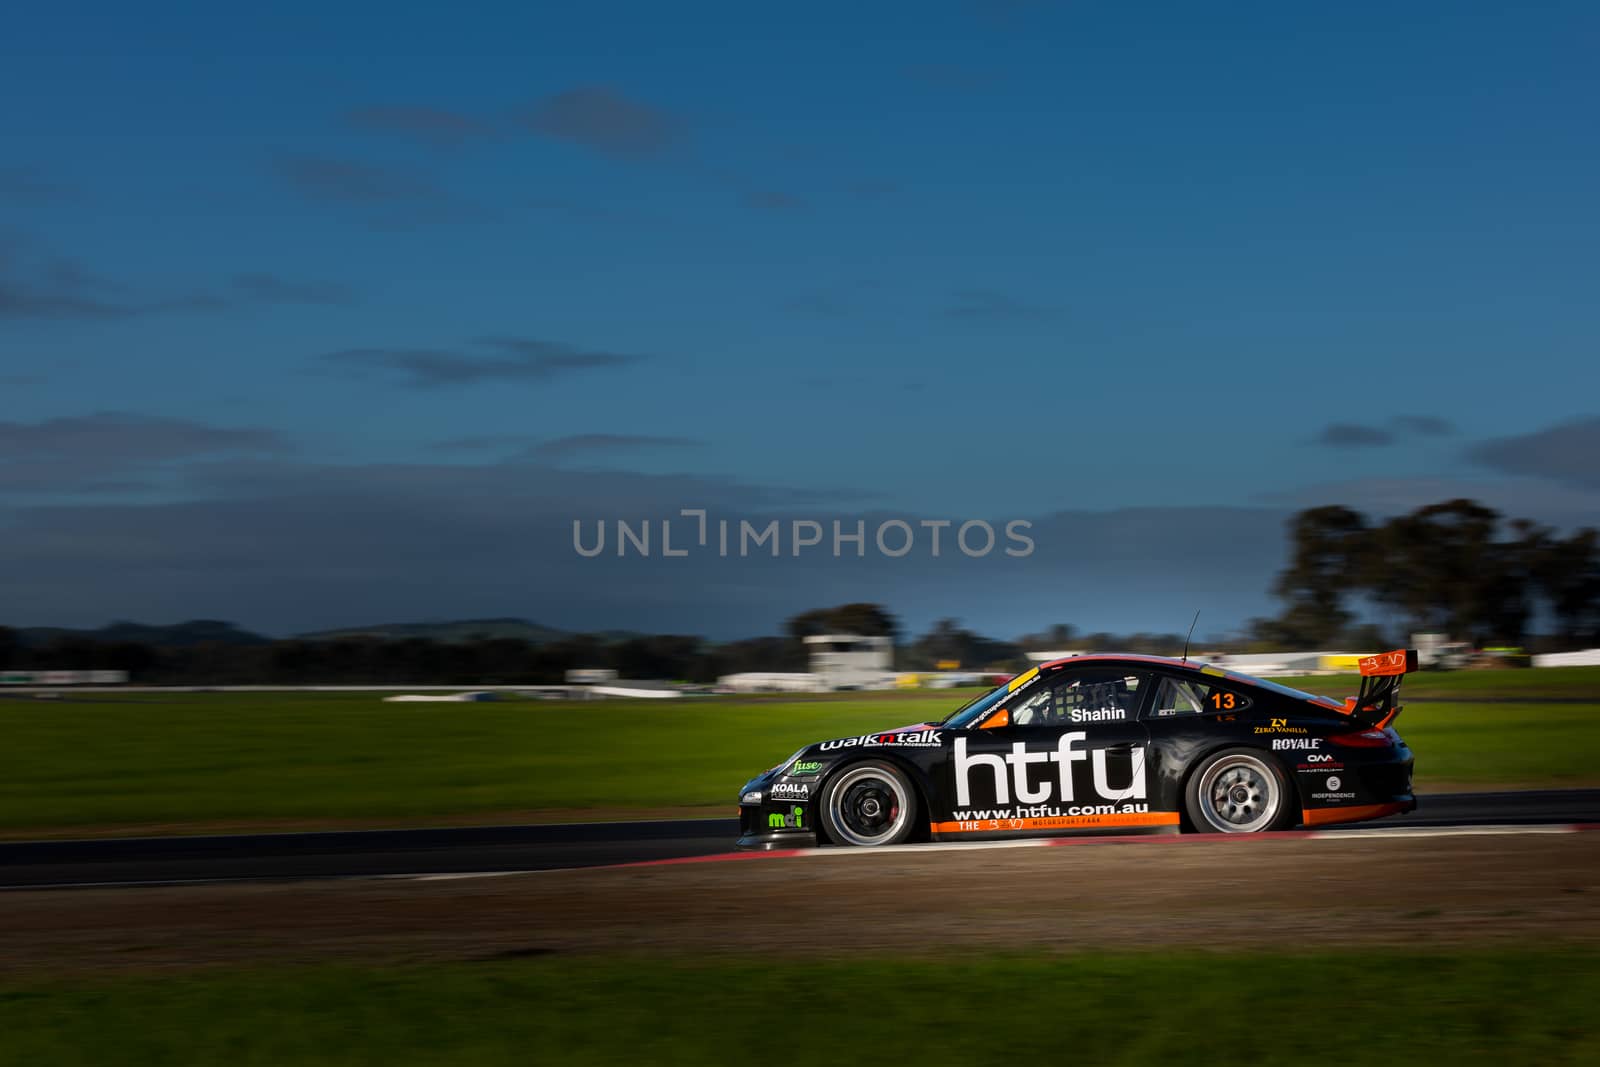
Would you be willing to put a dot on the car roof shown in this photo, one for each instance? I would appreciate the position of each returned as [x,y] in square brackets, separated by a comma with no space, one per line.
[1113,659]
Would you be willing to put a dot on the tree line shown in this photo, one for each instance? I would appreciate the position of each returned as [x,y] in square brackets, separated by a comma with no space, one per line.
[1458,568]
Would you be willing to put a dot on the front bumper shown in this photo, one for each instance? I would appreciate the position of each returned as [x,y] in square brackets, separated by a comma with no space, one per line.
[785,821]
[767,841]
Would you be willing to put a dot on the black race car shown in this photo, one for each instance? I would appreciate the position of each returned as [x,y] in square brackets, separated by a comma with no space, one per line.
[1102,743]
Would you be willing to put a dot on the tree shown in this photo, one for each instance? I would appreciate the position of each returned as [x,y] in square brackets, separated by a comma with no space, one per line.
[1446,567]
[1331,547]
[949,641]
[865,620]
[1567,574]
[1058,637]
[1443,568]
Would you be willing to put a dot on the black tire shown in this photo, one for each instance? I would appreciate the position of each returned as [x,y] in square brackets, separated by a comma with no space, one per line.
[1240,791]
[868,804]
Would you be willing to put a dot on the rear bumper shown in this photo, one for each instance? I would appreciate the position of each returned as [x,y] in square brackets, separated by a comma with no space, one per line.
[1340,784]
[1356,813]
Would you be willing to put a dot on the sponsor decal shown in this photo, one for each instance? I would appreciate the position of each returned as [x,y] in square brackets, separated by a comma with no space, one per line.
[983,821]
[1333,782]
[802,767]
[916,738]
[1046,811]
[1102,715]
[1279,726]
[1068,751]
[1281,744]
[789,791]
[1022,679]
[1319,763]
[1333,798]
[1385,664]
[794,820]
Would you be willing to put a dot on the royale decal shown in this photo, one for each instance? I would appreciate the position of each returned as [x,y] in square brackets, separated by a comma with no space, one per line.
[1064,754]
[1283,743]
[792,821]
[789,791]
[917,738]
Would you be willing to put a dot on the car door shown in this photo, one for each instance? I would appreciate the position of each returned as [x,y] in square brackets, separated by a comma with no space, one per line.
[1065,753]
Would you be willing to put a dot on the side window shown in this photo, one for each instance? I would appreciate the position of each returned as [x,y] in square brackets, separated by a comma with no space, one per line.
[1082,697]
[1184,696]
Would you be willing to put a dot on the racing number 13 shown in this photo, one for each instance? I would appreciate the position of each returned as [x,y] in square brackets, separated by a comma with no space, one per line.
[1222,701]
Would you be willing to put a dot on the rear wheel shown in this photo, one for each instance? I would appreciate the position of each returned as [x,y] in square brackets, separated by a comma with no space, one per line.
[1239,791]
[869,804]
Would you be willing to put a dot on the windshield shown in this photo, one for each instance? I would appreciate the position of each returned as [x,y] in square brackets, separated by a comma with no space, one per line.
[976,708]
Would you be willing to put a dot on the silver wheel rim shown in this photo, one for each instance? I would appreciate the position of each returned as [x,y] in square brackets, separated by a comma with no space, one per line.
[1239,795]
[868,806]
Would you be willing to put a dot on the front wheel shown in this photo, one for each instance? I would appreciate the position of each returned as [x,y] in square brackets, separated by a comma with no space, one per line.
[869,804]
[1239,791]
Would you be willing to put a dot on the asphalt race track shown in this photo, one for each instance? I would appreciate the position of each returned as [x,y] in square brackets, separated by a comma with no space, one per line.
[472,850]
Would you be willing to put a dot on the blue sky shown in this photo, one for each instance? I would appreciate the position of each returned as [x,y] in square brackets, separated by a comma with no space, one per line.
[966,260]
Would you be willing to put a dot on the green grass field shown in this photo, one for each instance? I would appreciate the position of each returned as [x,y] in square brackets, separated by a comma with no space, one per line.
[1463,1007]
[266,760]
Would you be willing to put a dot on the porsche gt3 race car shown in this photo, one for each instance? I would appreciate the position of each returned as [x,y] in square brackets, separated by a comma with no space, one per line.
[1100,744]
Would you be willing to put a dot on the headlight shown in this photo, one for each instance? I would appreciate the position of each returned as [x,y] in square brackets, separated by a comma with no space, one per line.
[752,797]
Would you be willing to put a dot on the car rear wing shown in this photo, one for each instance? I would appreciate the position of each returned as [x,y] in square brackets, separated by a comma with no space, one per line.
[1380,686]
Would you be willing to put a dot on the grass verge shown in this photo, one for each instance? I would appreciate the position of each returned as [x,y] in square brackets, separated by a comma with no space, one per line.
[1462,1007]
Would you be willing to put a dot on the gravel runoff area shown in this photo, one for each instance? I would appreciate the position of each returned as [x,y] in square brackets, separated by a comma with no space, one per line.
[1402,888]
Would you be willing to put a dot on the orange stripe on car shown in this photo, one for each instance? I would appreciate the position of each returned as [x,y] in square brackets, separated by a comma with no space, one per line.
[1326,816]
[1056,822]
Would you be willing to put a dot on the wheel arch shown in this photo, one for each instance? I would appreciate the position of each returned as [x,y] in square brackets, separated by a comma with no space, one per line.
[914,774]
[1292,795]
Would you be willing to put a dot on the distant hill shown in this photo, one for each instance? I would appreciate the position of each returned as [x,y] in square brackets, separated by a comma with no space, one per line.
[454,631]
[177,635]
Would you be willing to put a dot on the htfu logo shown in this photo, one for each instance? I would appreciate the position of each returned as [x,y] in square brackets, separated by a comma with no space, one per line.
[1065,753]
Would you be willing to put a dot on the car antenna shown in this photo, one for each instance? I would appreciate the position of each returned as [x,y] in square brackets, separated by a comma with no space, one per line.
[1191,634]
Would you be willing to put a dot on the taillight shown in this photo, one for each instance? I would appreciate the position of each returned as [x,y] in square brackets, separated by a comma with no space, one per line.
[1364,739]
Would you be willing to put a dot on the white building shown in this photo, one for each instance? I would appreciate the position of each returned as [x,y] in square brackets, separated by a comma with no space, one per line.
[838,661]
[850,661]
